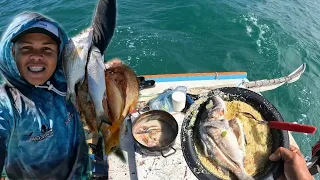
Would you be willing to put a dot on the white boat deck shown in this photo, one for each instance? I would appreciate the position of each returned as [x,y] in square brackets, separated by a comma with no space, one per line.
[154,166]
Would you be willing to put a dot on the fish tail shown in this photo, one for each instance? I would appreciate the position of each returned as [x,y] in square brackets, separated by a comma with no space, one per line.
[119,153]
[112,140]
[112,144]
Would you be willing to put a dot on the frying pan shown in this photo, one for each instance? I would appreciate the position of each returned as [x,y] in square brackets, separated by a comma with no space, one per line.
[189,131]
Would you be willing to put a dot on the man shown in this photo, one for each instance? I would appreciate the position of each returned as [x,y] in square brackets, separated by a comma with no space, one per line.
[41,136]
[40,133]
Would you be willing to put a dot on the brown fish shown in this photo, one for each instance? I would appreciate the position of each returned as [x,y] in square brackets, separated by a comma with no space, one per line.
[122,92]
[125,92]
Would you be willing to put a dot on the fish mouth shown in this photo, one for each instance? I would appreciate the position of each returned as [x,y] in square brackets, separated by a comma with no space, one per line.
[36,69]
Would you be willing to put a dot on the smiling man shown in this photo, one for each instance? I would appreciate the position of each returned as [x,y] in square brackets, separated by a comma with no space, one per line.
[36,52]
[41,135]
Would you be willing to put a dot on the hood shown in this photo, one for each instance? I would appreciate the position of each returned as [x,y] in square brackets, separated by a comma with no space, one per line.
[8,65]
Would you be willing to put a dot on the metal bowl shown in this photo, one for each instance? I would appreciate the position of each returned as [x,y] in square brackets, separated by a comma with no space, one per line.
[169,130]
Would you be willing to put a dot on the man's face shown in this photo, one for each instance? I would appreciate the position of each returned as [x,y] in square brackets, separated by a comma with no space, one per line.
[36,55]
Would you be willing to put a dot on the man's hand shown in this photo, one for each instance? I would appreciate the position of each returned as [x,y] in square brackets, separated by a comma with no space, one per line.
[295,167]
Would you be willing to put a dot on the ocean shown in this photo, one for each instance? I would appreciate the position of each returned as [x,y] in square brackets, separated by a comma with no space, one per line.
[267,39]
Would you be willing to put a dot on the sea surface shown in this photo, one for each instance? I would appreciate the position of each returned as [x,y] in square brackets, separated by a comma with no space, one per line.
[267,39]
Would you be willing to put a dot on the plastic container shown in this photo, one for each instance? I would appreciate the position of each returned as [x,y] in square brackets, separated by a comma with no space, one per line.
[178,101]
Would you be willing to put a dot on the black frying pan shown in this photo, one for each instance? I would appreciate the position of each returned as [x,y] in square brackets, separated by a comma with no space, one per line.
[189,133]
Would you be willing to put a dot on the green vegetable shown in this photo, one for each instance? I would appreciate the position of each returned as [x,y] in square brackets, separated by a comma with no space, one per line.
[224,133]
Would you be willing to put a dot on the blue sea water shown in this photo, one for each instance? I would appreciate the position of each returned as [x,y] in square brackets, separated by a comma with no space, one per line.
[267,39]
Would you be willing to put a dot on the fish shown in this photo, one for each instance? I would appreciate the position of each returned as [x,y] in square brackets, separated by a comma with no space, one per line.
[122,96]
[146,129]
[75,60]
[149,135]
[223,140]
[149,141]
[97,84]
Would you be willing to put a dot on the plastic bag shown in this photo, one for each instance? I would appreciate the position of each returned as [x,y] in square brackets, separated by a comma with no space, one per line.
[164,100]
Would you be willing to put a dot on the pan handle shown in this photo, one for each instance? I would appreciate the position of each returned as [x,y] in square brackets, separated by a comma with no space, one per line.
[174,151]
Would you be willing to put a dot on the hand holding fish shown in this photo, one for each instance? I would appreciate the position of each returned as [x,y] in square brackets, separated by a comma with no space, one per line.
[295,167]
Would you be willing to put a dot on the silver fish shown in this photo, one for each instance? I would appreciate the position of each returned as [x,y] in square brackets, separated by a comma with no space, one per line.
[97,84]
[223,141]
[75,59]
[218,109]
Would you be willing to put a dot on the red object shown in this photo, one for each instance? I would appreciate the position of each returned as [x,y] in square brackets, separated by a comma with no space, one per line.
[292,127]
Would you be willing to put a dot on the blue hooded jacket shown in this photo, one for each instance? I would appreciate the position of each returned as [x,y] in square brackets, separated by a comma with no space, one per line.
[41,135]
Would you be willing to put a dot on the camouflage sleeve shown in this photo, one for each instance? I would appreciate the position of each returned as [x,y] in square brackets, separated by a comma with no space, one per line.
[104,23]
[6,120]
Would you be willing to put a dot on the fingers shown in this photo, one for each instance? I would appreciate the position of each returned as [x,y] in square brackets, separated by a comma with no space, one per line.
[281,153]
[296,150]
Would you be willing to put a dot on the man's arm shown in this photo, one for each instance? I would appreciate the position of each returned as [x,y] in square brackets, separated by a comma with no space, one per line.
[104,23]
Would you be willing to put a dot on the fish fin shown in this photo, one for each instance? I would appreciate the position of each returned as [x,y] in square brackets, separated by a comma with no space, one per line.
[225,171]
[82,80]
[115,146]
[237,129]
[105,119]
[205,150]
[205,141]
[221,124]
[88,98]
[72,97]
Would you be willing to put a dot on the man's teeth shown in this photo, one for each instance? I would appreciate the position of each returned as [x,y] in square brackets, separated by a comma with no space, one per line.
[35,68]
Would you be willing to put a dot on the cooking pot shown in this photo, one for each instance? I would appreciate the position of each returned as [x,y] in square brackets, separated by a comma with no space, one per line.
[280,138]
[168,130]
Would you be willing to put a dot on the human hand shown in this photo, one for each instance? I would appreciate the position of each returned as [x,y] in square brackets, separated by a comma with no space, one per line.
[295,167]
